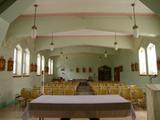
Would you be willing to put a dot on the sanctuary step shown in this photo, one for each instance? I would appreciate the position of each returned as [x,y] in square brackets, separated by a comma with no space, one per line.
[84,89]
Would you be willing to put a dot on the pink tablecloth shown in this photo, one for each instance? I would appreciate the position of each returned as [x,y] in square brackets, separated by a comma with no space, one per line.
[88,106]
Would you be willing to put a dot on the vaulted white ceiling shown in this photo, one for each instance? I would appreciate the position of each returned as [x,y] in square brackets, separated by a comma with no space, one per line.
[88,6]
[85,23]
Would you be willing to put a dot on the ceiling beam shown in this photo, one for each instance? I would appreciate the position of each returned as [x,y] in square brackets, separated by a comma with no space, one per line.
[47,25]
[4,4]
[153,5]
[16,9]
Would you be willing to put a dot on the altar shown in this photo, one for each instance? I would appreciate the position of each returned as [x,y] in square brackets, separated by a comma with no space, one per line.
[80,106]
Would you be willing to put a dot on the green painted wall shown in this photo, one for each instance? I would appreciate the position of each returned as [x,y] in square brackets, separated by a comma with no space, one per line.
[126,57]
[80,61]
[9,85]
[121,57]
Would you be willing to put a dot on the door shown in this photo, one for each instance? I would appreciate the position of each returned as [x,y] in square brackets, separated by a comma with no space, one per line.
[116,74]
[104,73]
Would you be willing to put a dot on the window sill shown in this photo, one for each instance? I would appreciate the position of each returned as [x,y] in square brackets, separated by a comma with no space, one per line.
[50,74]
[145,75]
[17,76]
[25,75]
[38,75]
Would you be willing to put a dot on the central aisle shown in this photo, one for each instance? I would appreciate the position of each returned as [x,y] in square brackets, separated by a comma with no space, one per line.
[84,89]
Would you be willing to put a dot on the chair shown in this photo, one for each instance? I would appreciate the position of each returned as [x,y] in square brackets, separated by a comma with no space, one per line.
[114,90]
[125,92]
[19,100]
[103,91]
[34,94]
[47,90]
[138,97]
[26,94]
[57,91]
[69,92]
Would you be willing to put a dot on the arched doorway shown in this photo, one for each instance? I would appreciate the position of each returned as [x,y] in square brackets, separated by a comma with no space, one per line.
[104,73]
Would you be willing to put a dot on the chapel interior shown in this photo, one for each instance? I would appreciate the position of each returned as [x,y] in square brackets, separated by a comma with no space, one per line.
[79,47]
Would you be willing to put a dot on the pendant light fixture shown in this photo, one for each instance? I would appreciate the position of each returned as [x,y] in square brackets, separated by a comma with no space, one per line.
[115,43]
[34,27]
[135,27]
[100,58]
[52,44]
[105,54]
[61,53]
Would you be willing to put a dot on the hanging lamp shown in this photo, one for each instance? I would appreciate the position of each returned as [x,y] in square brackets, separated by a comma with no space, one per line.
[52,44]
[115,43]
[135,27]
[34,27]
[105,54]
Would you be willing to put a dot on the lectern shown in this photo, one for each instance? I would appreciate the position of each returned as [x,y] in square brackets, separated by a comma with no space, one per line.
[153,102]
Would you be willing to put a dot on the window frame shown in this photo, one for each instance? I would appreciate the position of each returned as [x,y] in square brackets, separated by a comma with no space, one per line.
[49,66]
[18,62]
[26,62]
[38,64]
[42,63]
[152,59]
[142,61]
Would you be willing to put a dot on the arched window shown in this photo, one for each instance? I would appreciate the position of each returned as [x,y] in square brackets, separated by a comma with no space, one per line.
[43,63]
[38,64]
[152,59]
[17,67]
[26,62]
[49,66]
[142,61]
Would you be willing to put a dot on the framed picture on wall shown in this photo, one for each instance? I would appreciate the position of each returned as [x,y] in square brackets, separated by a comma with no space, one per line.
[132,67]
[89,69]
[158,63]
[10,65]
[33,68]
[77,70]
[84,69]
[2,63]
[136,67]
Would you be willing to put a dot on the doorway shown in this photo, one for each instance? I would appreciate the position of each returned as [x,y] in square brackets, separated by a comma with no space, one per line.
[104,73]
[117,74]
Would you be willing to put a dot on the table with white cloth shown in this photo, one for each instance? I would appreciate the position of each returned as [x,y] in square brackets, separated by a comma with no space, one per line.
[79,106]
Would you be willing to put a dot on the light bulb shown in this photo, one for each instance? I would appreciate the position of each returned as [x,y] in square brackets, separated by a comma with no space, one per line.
[34,32]
[135,31]
[105,54]
[51,46]
[116,46]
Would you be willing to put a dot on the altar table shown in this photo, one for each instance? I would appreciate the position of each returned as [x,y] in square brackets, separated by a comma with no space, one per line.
[79,106]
